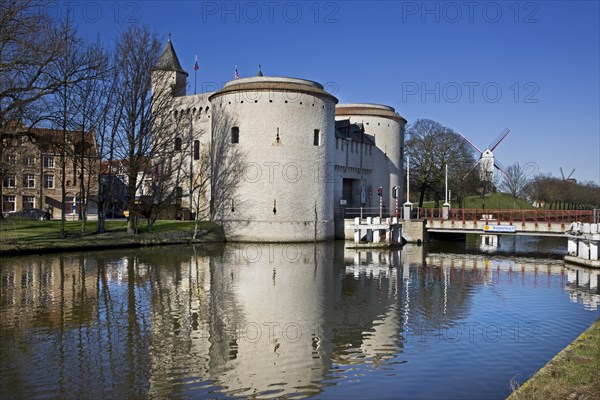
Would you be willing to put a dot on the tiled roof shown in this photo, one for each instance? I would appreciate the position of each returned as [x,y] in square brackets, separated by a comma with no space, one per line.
[168,60]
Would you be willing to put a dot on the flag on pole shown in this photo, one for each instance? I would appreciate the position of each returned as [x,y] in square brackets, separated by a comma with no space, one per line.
[196,64]
[237,76]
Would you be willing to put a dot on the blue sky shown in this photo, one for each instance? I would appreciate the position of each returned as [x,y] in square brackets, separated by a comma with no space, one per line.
[475,66]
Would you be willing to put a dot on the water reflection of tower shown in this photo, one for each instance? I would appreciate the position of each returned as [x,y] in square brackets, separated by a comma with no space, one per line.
[266,316]
[378,339]
[291,312]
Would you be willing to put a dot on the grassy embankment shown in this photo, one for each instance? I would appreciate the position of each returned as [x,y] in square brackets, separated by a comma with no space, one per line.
[37,236]
[573,374]
[493,201]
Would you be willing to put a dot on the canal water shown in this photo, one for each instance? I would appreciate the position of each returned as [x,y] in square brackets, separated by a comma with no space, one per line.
[295,321]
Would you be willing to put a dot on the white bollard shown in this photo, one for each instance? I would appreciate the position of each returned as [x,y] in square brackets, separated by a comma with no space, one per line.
[584,250]
[407,210]
[572,246]
[593,249]
[356,235]
[376,235]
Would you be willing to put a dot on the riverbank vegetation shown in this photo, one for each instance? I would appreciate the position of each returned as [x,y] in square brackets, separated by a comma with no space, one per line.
[496,201]
[573,374]
[18,236]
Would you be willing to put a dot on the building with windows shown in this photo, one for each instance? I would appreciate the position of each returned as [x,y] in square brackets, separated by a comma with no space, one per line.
[114,183]
[32,172]
[286,160]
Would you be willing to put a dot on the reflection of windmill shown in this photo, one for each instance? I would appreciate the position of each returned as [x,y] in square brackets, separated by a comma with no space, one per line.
[568,178]
[486,161]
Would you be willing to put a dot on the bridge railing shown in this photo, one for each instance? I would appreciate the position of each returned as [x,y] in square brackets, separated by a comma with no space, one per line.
[364,212]
[511,216]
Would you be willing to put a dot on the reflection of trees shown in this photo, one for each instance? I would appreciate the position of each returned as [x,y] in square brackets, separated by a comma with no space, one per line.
[72,328]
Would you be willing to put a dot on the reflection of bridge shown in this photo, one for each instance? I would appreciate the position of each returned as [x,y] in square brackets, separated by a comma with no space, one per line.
[582,284]
[503,221]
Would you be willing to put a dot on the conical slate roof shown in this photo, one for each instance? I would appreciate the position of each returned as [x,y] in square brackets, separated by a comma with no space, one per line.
[168,60]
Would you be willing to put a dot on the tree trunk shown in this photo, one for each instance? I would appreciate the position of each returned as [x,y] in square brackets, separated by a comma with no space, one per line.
[422,189]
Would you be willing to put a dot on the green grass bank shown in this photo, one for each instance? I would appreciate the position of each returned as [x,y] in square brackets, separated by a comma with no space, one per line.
[573,374]
[493,201]
[26,237]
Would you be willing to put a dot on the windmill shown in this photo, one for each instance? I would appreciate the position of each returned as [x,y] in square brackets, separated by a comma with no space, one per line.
[487,163]
[568,178]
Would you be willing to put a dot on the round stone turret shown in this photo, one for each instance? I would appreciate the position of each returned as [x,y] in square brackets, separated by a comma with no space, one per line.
[387,127]
[285,129]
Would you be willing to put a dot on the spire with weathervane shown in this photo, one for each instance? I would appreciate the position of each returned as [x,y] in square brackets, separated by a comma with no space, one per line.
[168,71]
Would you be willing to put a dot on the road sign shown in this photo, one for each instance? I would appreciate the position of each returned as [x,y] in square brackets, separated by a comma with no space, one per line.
[500,228]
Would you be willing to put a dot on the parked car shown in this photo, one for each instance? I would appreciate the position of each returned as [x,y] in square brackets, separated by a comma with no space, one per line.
[114,213]
[32,214]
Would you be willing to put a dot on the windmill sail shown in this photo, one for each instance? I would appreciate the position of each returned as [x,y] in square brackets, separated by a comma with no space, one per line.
[471,143]
[487,163]
[499,139]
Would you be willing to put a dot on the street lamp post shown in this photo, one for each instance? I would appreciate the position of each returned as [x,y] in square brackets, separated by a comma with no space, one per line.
[408,205]
[446,206]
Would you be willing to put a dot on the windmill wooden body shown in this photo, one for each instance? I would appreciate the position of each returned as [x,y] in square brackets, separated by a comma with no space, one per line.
[487,163]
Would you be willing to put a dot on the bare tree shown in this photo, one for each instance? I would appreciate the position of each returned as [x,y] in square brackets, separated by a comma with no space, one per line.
[170,167]
[515,179]
[200,188]
[143,115]
[88,95]
[29,49]
[431,146]
[77,65]
[137,50]
[106,130]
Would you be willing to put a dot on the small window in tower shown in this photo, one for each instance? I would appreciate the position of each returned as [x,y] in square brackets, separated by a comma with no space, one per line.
[317,138]
[235,134]
[196,149]
[177,144]
[178,194]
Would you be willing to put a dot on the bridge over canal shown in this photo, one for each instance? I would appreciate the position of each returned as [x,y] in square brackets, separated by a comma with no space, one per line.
[490,223]
[504,221]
